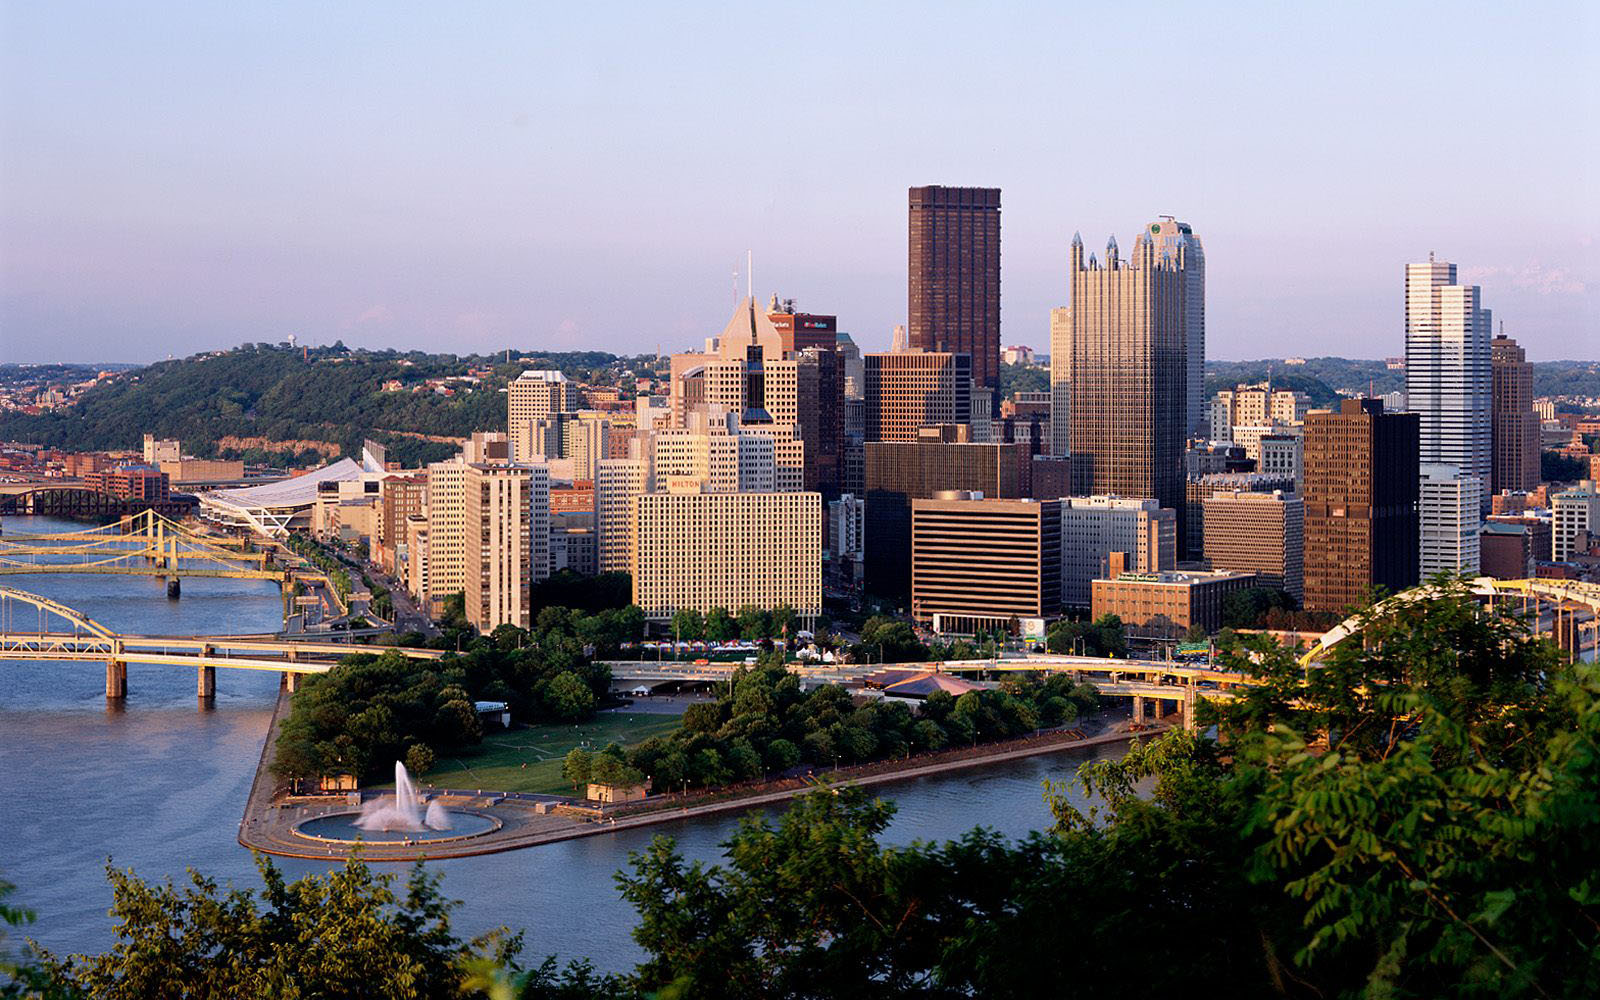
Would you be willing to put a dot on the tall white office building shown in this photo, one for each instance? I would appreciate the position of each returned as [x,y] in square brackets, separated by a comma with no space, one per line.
[1449,519]
[1449,374]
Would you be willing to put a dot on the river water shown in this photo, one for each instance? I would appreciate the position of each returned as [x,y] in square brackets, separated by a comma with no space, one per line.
[159,784]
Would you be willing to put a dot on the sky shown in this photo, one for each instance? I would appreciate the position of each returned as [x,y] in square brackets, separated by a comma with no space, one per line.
[180,177]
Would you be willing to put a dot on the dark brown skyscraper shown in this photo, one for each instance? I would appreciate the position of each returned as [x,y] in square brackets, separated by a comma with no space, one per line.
[955,275]
[1361,530]
[1516,426]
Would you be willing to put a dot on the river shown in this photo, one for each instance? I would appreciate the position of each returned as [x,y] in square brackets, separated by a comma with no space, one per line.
[158,785]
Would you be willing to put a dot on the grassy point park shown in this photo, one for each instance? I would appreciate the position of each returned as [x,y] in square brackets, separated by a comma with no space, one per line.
[528,758]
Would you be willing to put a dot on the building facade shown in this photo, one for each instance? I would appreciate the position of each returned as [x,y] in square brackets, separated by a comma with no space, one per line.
[1167,605]
[977,564]
[1362,478]
[1449,518]
[910,390]
[727,550]
[1449,370]
[1260,533]
[1128,373]
[1178,246]
[1577,515]
[1516,425]
[507,546]
[1100,532]
[954,275]
[533,396]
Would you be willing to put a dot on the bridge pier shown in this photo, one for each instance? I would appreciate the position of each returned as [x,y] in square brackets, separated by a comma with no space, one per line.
[116,680]
[207,687]
[293,680]
[174,589]
[1138,710]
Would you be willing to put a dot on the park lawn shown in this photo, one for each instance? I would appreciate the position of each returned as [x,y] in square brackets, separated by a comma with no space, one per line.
[529,759]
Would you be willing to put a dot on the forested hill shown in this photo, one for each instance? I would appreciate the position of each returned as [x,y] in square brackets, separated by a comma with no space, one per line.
[274,392]
[1326,379]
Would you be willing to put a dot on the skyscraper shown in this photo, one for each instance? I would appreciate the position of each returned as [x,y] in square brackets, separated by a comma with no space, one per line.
[1362,481]
[910,390]
[954,286]
[1448,370]
[531,397]
[1061,381]
[1128,373]
[1177,244]
[1516,426]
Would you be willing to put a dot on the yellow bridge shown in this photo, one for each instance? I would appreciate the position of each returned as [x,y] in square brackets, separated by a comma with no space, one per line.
[146,544]
[37,628]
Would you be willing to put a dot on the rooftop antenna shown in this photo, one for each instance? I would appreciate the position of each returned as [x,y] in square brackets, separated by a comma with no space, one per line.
[750,274]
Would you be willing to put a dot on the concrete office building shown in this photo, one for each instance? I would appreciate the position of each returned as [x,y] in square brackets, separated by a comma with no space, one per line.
[1178,246]
[1129,372]
[1516,425]
[447,529]
[1282,455]
[413,567]
[727,550]
[618,483]
[1577,516]
[1260,533]
[1198,489]
[531,396]
[910,390]
[954,276]
[1448,515]
[507,546]
[1361,485]
[1167,605]
[898,472]
[977,564]
[1506,550]
[1449,371]
[1138,535]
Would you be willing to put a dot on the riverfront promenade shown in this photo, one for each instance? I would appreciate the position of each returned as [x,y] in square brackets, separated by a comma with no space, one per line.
[269,826]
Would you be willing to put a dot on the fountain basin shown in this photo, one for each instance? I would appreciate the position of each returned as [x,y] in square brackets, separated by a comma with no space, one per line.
[341,828]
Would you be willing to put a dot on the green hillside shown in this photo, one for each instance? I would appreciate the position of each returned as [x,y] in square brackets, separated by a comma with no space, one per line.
[273,391]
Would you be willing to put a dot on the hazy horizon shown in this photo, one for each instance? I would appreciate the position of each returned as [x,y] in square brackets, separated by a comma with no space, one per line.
[196,176]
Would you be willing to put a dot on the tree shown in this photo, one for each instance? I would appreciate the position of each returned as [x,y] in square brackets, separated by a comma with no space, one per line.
[754,623]
[419,758]
[688,625]
[720,626]
[569,698]
[290,939]
[576,767]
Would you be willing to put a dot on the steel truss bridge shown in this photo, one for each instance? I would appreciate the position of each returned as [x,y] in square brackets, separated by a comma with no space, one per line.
[37,628]
[144,544]
[67,499]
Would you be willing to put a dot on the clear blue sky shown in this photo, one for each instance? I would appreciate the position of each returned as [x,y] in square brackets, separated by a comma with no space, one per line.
[182,176]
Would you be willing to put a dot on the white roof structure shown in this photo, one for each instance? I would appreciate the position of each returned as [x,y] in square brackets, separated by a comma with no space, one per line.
[271,507]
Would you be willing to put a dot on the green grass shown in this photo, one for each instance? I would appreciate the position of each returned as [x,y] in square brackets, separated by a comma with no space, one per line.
[529,759]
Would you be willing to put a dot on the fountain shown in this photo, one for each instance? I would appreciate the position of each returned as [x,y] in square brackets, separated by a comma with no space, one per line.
[402,815]
[405,811]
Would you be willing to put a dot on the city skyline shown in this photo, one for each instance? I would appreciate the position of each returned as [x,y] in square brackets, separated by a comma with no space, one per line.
[392,181]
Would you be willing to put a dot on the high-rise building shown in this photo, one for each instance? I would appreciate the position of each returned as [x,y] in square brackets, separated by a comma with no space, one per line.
[724,457]
[1177,244]
[531,396]
[954,288]
[1136,535]
[910,390]
[1168,604]
[898,472]
[1060,381]
[977,563]
[1263,533]
[1449,370]
[801,331]
[447,529]
[1282,455]
[727,550]
[1516,425]
[1361,485]
[1449,519]
[1128,373]
[617,484]
[1577,517]
[507,546]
